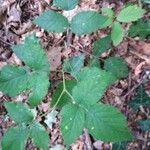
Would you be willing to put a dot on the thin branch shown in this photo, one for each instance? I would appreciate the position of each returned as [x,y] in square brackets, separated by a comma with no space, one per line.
[5,42]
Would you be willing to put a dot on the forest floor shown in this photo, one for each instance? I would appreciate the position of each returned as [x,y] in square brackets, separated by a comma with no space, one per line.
[16,23]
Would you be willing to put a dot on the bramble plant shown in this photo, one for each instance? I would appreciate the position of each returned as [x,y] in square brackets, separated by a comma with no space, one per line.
[78,99]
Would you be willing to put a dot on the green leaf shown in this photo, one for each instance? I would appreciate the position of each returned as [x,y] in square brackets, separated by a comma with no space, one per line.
[52,21]
[73,65]
[66,4]
[19,112]
[145,125]
[65,99]
[34,77]
[101,45]
[39,136]
[117,33]
[130,13]
[32,54]
[140,28]
[15,139]
[95,63]
[93,83]
[106,123]
[110,14]
[13,80]
[40,85]
[117,66]
[72,123]
[141,99]
[87,22]
[119,146]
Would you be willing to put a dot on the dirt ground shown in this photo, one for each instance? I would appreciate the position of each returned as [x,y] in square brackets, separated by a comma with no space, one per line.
[16,23]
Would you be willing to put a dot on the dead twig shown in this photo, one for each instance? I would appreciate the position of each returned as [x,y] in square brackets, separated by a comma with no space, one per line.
[5,42]
[147,59]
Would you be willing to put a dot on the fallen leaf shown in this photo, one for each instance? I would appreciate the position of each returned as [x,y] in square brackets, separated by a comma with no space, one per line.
[51,118]
[140,46]
[98,145]
[54,57]
[48,1]
[3,14]
[78,145]
[57,147]
[14,13]
[138,69]
[23,28]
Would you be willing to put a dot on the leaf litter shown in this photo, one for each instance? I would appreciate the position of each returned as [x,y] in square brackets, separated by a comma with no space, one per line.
[16,25]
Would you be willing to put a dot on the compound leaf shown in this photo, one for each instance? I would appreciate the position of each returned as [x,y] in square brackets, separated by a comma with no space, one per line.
[32,54]
[72,122]
[130,13]
[87,22]
[65,99]
[145,125]
[117,33]
[39,136]
[141,99]
[93,83]
[13,80]
[19,112]
[117,66]
[52,21]
[66,4]
[106,123]
[140,28]
[73,65]
[101,45]
[34,77]
[15,138]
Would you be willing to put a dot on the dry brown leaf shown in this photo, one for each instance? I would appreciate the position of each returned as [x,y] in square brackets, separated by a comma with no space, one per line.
[140,46]
[23,28]
[122,48]
[48,1]
[138,69]
[14,60]
[3,14]
[54,57]
[66,52]
[14,13]
[44,106]
[78,145]
[98,145]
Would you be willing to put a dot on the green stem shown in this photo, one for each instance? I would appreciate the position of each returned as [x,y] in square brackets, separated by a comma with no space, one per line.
[58,100]
[73,100]
[64,84]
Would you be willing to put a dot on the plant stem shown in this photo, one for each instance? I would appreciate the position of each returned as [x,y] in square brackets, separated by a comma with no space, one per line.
[58,101]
